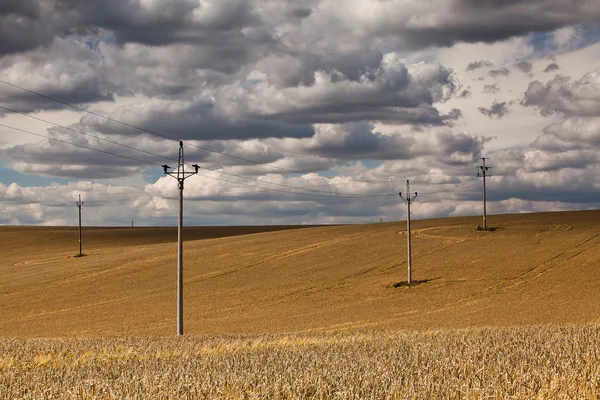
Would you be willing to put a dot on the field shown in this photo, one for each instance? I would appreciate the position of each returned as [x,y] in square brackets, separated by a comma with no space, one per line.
[308,312]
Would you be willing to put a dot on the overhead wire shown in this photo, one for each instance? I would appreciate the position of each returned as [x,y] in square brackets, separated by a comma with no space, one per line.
[327,193]
[144,129]
[301,193]
[460,186]
[79,145]
[268,165]
[172,159]
[87,134]
[208,176]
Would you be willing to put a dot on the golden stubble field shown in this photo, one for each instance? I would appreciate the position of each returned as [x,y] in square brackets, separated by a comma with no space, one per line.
[535,269]
[305,313]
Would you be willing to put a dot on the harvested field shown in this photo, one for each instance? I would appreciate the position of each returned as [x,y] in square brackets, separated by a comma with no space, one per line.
[527,362]
[305,313]
[535,269]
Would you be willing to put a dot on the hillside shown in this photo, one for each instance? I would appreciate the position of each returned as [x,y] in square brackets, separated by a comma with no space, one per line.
[535,269]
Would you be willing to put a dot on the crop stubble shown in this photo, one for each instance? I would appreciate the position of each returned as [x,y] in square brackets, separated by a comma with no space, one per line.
[545,362]
[356,336]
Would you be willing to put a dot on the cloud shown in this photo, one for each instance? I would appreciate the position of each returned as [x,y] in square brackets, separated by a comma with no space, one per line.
[465,94]
[309,86]
[524,66]
[497,110]
[21,8]
[394,92]
[565,97]
[551,67]
[362,141]
[442,23]
[199,120]
[67,70]
[574,133]
[502,71]
[493,88]
[21,25]
[478,64]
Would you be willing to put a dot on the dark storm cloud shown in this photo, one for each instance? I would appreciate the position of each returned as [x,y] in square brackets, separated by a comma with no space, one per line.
[159,22]
[50,158]
[393,92]
[23,8]
[497,110]
[565,97]
[476,21]
[27,24]
[493,20]
[301,12]
[473,65]
[362,141]
[21,26]
[242,23]
[551,67]
[68,71]
[524,66]
[200,121]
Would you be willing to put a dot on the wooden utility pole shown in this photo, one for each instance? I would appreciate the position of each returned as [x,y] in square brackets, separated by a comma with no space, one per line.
[408,201]
[483,172]
[181,175]
[79,204]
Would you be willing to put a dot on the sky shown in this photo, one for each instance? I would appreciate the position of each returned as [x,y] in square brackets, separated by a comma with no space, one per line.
[297,112]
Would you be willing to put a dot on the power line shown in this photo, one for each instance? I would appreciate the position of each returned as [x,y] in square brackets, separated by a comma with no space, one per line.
[297,193]
[164,157]
[80,145]
[162,135]
[459,186]
[86,134]
[325,193]
[144,129]
[295,187]
[211,177]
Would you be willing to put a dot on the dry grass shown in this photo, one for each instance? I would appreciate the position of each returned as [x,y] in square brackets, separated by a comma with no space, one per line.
[535,269]
[543,362]
[525,300]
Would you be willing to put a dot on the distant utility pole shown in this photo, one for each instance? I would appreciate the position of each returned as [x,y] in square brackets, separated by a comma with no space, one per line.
[482,171]
[181,175]
[408,201]
[79,204]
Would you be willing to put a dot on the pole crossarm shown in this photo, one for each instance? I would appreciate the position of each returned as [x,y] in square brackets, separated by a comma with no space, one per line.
[408,199]
[176,175]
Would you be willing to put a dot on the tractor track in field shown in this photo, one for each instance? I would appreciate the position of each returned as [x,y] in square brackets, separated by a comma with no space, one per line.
[515,281]
[281,256]
[503,285]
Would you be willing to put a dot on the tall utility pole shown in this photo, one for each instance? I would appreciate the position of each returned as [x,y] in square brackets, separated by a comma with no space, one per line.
[181,175]
[408,201]
[482,171]
[79,204]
